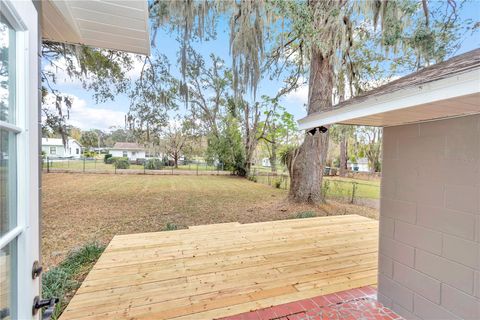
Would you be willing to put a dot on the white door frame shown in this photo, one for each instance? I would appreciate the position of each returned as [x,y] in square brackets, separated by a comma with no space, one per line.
[23,16]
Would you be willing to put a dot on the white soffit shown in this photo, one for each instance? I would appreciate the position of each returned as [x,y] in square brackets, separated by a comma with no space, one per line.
[108,24]
[453,96]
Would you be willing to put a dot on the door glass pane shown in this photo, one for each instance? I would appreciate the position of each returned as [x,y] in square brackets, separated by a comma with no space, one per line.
[8,261]
[7,71]
[8,186]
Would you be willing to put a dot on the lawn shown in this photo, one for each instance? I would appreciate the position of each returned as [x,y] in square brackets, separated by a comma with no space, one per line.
[81,208]
[335,187]
[341,187]
[98,164]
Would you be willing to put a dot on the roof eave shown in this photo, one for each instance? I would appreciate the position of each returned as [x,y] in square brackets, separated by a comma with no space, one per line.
[458,85]
[66,21]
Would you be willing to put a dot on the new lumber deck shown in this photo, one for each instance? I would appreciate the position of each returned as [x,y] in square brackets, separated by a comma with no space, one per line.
[213,271]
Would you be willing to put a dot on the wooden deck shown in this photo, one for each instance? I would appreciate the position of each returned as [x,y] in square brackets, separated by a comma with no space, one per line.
[213,271]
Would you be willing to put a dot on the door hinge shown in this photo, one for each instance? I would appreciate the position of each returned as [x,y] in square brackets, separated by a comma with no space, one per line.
[36,269]
[4,313]
[49,304]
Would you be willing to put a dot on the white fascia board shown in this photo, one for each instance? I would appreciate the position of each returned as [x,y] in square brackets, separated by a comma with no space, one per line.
[455,86]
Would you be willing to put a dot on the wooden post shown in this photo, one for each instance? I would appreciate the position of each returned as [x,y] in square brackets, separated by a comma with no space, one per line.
[84,164]
[354,189]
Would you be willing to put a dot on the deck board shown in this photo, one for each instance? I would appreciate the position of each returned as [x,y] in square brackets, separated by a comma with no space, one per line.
[207,272]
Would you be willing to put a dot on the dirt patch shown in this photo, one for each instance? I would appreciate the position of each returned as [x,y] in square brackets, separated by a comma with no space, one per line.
[81,208]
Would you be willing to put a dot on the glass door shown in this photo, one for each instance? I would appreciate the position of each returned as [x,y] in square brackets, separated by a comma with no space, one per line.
[19,165]
[9,229]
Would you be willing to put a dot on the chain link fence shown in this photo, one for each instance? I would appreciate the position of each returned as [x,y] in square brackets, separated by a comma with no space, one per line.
[337,188]
[91,165]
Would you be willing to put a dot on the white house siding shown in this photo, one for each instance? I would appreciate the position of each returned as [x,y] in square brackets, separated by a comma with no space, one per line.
[132,155]
[59,151]
[429,252]
[73,148]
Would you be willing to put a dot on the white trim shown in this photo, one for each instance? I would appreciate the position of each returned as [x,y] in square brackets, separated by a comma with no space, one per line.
[25,18]
[10,127]
[10,235]
[459,85]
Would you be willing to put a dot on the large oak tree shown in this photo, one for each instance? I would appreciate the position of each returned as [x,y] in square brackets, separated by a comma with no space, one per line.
[320,39]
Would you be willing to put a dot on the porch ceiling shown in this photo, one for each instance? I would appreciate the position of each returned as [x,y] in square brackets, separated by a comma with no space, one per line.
[213,271]
[119,25]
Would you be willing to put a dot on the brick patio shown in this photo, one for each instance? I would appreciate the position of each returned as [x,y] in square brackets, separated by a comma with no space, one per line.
[353,304]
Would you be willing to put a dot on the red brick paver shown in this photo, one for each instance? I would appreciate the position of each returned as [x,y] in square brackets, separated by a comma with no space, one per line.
[354,304]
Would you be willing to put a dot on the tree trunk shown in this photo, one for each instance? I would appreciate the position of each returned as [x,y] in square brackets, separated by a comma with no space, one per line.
[273,151]
[273,157]
[307,166]
[175,159]
[343,156]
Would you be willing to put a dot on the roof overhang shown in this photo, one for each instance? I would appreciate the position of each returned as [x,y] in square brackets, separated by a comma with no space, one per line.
[116,25]
[453,96]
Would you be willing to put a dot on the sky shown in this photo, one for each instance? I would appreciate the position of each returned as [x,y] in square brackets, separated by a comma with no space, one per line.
[86,114]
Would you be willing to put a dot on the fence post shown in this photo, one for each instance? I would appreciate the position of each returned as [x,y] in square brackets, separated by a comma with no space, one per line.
[115,166]
[172,169]
[84,164]
[354,189]
[95,165]
[197,168]
[144,164]
[48,165]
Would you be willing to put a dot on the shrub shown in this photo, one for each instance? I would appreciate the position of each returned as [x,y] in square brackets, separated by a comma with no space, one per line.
[305,214]
[121,162]
[153,164]
[89,154]
[252,178]
[107,158]
[277,183]
[59,281]
[170,227]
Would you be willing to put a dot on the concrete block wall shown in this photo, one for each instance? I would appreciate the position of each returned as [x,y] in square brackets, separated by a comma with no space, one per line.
[429,255]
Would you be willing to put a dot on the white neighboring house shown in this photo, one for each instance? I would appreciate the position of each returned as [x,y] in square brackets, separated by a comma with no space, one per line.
[54,148]
[130,150]
[361,165]
[266,162]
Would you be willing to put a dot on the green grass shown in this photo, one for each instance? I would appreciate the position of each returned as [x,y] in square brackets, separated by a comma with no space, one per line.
[304,214]
[171,227]
[193,167]
[343,187]
[335,187]
[100,165]
[59,281]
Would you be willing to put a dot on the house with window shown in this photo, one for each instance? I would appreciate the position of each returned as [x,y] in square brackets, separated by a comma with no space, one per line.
[130,150]
[266,162]
[54,148]
[359,165]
